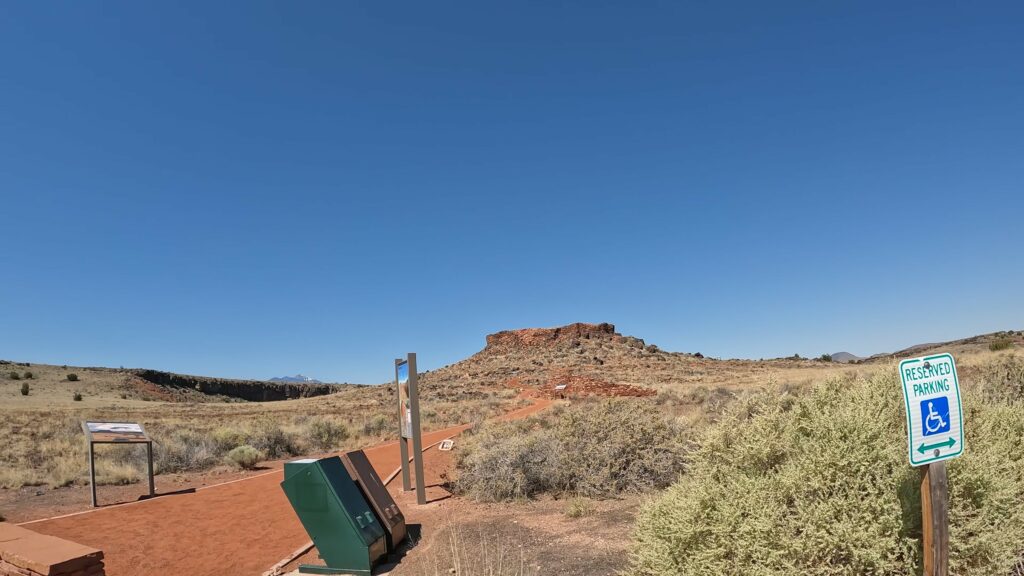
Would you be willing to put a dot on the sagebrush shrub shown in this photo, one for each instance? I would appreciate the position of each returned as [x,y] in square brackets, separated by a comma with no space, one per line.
[1001,344]
[72,377]
[270,439]
[227,439]
[323,434]
[24,389]
[376,426]
[185,450]
[594,449]
[245,457]
[77,396]
[820,485]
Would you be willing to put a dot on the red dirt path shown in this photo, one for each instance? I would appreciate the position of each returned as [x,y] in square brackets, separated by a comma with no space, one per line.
[242,527]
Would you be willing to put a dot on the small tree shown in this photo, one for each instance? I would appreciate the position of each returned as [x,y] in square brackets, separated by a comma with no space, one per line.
[825,358]
[24,388]
[72,377]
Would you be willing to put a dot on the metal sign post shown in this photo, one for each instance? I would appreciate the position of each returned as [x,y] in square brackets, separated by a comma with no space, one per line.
[116,433]
[935,433]
[409,423]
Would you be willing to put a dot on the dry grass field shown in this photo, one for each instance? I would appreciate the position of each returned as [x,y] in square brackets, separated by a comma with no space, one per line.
[43,444]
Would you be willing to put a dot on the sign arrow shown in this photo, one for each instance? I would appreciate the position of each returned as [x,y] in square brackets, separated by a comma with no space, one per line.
[926,447]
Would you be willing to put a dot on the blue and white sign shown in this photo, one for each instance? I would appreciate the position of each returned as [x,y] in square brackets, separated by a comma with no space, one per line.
[934,413]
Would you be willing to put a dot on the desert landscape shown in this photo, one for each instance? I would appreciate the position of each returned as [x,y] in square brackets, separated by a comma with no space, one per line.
[538,416]
[473,288]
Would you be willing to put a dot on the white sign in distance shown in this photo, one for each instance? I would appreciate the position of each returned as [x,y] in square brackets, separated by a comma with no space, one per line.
[935,426]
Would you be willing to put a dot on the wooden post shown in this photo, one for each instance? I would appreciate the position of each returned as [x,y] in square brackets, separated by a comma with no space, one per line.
[935,519]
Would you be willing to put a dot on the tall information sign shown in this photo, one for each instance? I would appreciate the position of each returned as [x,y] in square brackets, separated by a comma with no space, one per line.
[409,423]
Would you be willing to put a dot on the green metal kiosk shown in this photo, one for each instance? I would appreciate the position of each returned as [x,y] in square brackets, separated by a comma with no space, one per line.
[336,516]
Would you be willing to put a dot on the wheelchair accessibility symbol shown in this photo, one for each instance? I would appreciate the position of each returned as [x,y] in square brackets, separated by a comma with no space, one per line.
[934,416]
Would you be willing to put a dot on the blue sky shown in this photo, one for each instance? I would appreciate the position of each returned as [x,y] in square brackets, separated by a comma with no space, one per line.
[256,189]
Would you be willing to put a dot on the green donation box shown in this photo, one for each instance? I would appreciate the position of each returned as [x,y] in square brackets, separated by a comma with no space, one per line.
[388,514]
[335,515]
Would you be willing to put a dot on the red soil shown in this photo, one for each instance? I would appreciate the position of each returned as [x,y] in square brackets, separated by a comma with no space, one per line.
[241,527]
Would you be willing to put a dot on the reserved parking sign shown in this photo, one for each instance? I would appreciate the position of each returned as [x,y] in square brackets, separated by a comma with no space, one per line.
[934,414]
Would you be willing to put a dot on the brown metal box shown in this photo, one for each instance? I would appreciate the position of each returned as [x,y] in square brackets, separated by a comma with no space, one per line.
[383,505]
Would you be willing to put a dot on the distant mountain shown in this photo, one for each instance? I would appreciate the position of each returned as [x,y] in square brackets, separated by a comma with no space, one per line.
[845,357]
[297,379]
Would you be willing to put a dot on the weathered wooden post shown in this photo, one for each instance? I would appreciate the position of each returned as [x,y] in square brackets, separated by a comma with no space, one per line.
[935,519]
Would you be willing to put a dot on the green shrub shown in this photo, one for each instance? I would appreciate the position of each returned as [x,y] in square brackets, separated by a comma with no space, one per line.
[376,426]
[820,485]
[1001,344]
[323,434]
[77,397]
[14,376]
[24,388]
[825,358]
[227,439]
[245,457]
[579,507]
[184,451]
[72,377]
[267,437]
[593,449]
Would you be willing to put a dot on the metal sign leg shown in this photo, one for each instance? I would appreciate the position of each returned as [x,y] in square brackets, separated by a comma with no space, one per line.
[92,474]
[152,484]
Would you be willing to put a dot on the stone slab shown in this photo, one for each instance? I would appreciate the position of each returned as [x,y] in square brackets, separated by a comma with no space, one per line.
[46,555]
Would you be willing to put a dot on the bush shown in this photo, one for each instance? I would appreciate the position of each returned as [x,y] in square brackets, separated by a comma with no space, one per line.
[323,434]
[72,377]
[1001,344]
[595,449]
[184,451]
[1000,380]
[29,375]
[267,437]
[24,388]
[825,358]
[245,457]
[227,439]
[14,376]
[579,507]
[77,397]
[377,426]
[820,484]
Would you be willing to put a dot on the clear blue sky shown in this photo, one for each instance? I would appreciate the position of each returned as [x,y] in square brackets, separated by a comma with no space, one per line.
[252,189]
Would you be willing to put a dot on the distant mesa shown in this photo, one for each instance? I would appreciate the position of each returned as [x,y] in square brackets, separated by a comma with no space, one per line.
[297,379]
[845,357]
[547,337]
